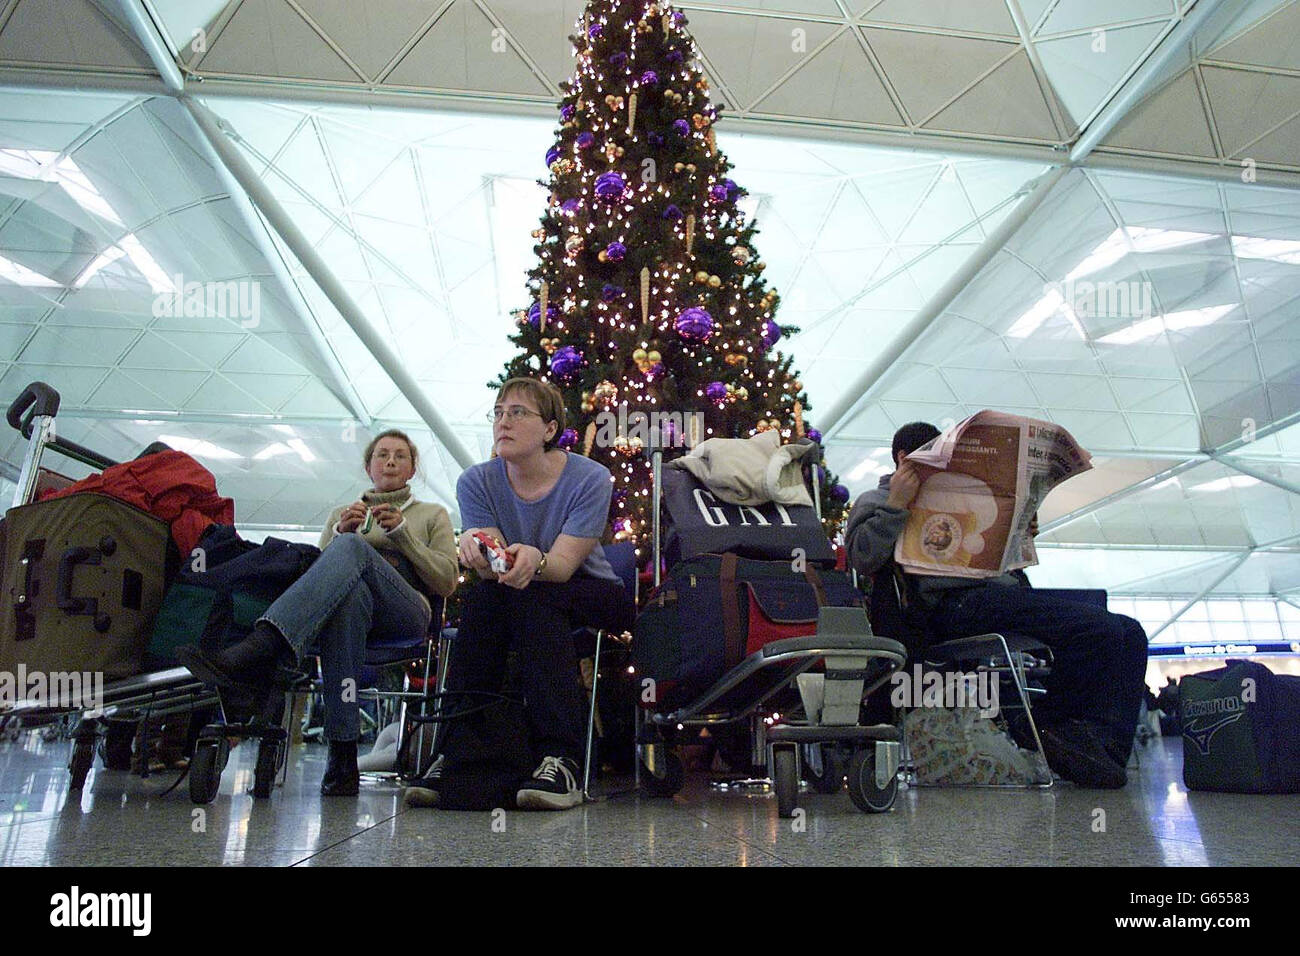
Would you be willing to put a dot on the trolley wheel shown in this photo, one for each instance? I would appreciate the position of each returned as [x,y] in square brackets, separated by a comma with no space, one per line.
[83,758]
[205,769]
[674,777]
[785,780]
[831,776]
[268,765]
[865,794]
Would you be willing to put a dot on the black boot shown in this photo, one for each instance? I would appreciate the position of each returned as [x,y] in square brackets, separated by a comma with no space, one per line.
[257,661]
[342,779]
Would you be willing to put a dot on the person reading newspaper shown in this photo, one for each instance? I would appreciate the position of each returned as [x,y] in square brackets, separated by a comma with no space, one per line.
[967,546]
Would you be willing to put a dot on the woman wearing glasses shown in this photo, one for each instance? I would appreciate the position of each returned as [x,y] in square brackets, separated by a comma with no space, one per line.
[383,556]
[549,509]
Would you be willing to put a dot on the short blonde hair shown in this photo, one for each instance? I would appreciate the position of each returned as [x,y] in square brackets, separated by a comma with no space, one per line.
[548,399]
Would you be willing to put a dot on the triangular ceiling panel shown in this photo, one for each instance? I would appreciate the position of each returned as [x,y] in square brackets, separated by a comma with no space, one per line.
[857,94]
[1084,75]
[1008,102]
[1247,106]
[973,16]
[451,56]
[1275,42]
[905,55]
[69,33]
[370,33]
[269,37]
[1101,14]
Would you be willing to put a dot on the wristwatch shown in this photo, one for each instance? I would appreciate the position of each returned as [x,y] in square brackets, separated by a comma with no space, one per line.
[541,566]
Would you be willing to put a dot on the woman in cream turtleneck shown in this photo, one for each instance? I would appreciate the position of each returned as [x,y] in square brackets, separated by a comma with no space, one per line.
[382,557]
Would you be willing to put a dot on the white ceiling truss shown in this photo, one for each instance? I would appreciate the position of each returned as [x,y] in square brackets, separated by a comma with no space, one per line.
[926,172]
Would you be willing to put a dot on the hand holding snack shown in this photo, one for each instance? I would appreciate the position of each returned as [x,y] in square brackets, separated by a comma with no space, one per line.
[352,517]
[388,516]
[498,559]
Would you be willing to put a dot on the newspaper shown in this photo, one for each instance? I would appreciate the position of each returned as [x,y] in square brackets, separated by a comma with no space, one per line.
[982,482]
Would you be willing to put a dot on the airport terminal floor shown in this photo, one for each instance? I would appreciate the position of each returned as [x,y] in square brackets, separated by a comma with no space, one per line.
[122,820]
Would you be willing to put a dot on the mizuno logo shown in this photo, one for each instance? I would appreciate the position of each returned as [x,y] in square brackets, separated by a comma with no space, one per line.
[1201,735]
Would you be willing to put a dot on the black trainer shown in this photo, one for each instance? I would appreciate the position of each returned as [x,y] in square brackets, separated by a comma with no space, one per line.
[1074,752]
[554,786]
[263,659]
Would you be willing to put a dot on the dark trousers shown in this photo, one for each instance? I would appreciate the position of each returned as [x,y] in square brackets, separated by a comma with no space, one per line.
[1099,658]
[538,622]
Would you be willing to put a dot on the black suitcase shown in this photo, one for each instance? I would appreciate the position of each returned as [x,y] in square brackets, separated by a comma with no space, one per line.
[83,577]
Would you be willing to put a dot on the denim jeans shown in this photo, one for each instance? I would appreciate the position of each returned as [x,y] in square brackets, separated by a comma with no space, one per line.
[1099,658]
[349,595]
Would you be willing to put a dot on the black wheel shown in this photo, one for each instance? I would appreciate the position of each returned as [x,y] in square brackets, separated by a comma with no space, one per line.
[827,774]
[866,795]
[205,770]
[672,779]
[83,758]
[268,765]
[785,780]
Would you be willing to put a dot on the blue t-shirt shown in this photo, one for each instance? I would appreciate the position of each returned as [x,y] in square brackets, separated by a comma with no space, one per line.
[578,505]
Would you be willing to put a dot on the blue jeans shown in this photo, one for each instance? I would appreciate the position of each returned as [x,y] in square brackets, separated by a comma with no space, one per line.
[349,595]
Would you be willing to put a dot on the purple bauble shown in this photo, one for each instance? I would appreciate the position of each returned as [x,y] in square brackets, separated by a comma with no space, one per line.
[694,323]
[673,213]
[715,391]
[718,193]
[615,251]
[618,60]
[655,139]
[535,313]
[771,333]
[610,186]
[566,113]
[678,17]
[649,78]
[568,438]
[552,155]
[585,140]
[611,292]
[815,435]
[566,361]
[595,30]
[674,56]
[731,188]
[840,493]
[681,127]
[571,205]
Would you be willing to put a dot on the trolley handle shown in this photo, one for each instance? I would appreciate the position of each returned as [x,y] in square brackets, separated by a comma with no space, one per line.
[41,398]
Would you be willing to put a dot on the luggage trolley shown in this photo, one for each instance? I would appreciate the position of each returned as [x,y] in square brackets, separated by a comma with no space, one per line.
[161,693]
[829,736]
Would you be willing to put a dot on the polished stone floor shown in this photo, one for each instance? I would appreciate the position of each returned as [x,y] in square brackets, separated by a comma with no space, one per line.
[120,819]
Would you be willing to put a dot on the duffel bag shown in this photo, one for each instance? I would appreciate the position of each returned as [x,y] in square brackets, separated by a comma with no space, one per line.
[714,610]
[1241,729]
[697,522]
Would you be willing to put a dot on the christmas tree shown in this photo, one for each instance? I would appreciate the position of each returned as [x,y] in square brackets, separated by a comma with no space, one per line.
[649,309]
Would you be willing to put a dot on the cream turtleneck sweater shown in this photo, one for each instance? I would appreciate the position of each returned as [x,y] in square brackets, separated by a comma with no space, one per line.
[425,537]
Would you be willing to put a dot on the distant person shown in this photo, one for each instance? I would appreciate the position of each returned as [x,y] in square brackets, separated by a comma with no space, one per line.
[383,557]
[548,508]
[1089,715]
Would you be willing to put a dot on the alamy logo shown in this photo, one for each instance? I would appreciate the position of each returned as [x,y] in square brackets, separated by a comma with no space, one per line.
[648,430]
[211,300]
[76,909]
[83,690]
[952,690]
[1110,300]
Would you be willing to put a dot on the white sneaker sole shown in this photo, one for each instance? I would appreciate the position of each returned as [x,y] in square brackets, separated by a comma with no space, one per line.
[544,800]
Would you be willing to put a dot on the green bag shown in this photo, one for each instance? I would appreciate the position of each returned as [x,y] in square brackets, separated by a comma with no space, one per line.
[189,612]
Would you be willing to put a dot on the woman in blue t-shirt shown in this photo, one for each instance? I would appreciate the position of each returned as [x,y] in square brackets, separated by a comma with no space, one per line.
[549,509]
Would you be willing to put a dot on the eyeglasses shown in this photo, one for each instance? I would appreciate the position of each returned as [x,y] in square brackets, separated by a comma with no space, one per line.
[514,413]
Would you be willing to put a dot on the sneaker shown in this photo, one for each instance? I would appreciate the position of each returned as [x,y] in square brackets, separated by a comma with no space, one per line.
[424,791]
[1074,752]
[554,786]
